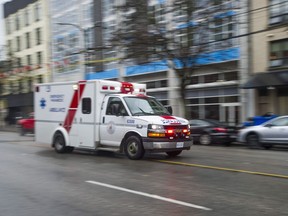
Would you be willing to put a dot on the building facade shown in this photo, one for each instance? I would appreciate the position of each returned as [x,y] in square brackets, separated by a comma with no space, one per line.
[81,31]
[269,54]
[76,34]
[27,54]
[214,91]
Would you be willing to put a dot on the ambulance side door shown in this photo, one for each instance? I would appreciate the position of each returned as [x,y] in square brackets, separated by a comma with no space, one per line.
[113,122]
[85,118]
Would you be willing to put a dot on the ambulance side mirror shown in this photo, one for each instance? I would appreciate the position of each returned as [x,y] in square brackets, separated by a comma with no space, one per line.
[170,110]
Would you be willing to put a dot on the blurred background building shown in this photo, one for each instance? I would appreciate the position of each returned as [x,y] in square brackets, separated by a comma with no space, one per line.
[269,56]
[50,40]
[76,28]
[27,55]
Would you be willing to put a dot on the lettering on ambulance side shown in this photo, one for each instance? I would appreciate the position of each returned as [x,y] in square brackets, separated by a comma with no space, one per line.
[170,120]
[57,98]
[54,109]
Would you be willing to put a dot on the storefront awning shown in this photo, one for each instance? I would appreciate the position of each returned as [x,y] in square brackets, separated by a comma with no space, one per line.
[270,79]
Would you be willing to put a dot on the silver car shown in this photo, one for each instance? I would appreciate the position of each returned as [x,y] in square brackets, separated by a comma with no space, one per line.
[267,134]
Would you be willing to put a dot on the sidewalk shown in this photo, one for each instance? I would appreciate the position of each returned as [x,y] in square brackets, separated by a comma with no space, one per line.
[10,134]
[9,128]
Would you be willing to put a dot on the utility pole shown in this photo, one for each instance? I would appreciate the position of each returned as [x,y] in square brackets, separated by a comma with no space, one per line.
[83,45]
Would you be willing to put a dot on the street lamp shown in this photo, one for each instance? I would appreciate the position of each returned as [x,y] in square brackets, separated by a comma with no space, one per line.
[84,45]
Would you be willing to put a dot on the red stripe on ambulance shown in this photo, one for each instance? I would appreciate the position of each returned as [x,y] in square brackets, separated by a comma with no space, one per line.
[74,105]
[168,117]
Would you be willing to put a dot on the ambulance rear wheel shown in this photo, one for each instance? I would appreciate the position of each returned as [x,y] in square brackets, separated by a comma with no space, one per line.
[133,148]
[59,144]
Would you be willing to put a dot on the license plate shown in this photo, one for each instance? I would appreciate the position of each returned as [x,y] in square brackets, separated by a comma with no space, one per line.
[179,144]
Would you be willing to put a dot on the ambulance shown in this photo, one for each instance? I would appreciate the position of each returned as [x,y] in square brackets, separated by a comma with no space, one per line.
[107,115]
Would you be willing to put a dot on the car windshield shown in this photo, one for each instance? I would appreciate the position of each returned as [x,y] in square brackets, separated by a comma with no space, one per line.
[145,106]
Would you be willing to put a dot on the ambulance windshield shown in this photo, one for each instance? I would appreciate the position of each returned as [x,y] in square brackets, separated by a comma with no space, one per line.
[145,106]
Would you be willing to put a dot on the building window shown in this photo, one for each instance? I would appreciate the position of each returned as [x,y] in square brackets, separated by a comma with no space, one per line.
[26,17]
[17,22]
[27,40]
[279,53]
[37,12]
[38,36]
[40,79]
[21,86]
[29,60]
[157,84]
[278,11]
[18,41]
[19,62]
[39,58]
[30,85]
[9,47]
[210,78]
[8,26]
[231,76]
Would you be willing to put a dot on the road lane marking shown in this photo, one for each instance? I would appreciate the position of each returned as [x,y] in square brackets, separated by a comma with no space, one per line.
[150,195]
[223,169]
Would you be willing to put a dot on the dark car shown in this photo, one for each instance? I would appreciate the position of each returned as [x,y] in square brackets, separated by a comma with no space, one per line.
[208,131]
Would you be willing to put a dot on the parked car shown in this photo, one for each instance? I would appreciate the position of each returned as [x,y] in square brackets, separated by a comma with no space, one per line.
[208,131]
[257,120]
[13,117]
[267,134]
[26,125]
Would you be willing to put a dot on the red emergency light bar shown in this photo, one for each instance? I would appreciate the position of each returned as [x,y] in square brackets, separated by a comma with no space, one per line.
[126,87]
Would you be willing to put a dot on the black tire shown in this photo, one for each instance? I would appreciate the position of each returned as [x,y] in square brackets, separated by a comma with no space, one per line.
[267,146]
[59,143]
[173,153]
[133,148]
[22,131]
[227,144]
[205,139]
[253,141]
[69,149]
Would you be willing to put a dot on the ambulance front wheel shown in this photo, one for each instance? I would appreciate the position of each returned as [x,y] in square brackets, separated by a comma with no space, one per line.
[133,148]
[60,145]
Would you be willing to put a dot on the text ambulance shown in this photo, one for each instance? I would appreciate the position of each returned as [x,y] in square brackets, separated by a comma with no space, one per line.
[106,115]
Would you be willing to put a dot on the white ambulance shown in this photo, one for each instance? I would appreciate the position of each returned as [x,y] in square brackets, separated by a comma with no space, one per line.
[106,115]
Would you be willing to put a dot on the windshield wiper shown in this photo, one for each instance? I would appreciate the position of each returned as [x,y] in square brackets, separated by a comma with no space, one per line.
[143,112]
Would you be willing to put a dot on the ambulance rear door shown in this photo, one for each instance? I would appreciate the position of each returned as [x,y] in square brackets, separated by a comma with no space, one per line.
[84,121]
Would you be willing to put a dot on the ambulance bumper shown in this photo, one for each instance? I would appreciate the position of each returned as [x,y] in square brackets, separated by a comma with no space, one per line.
[161,145]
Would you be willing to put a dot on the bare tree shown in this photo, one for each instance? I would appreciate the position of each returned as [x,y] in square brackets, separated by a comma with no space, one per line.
[178,34]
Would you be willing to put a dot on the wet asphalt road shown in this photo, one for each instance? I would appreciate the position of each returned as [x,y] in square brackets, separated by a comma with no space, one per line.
[207,180]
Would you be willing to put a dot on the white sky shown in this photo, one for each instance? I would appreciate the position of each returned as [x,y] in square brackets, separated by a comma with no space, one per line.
[2,22]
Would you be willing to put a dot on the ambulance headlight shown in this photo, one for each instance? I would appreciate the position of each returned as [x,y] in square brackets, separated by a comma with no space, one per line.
[155,130]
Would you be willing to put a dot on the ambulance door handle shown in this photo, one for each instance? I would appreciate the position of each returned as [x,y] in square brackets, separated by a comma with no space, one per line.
[103,120]
[80,120]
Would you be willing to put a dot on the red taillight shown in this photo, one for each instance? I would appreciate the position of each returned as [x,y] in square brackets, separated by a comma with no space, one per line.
[220,130]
